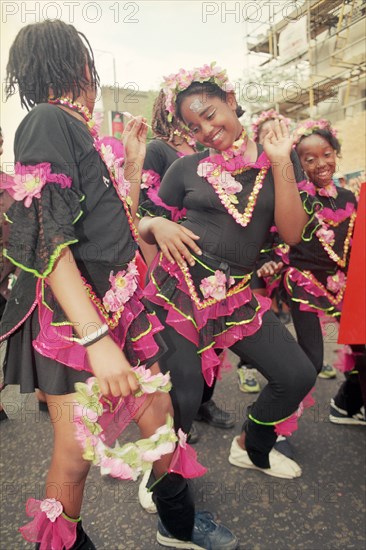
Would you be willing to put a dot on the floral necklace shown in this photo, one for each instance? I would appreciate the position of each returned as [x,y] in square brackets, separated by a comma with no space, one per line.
[218,170]
[105,152]
[327,217]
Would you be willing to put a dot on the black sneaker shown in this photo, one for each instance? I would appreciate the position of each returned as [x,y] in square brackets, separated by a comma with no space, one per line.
[209,412]
[339,416]
[206,535]
[193,436]
[284,447]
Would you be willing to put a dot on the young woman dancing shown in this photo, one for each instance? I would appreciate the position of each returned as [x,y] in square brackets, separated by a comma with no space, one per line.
[76,310]
[232,192]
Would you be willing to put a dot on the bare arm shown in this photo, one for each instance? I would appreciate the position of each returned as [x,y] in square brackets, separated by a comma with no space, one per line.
[134,140]
[107,361]
[290,216]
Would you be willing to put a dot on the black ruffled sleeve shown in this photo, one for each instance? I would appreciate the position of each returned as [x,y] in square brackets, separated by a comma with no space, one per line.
[47,199]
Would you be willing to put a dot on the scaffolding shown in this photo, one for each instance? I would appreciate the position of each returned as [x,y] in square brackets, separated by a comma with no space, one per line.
[335,56]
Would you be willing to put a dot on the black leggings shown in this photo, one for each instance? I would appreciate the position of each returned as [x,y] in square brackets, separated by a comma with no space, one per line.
[309,334]
[272,350]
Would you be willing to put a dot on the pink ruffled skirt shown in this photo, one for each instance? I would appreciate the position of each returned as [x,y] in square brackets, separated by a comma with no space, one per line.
[211,324]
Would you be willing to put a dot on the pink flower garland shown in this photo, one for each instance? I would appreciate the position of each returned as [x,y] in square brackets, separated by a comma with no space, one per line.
[173,84]
[264,117]
[308,127]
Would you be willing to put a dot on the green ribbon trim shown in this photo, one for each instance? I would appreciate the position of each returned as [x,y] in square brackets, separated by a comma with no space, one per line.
[142,334]
[54,256]
[214,270]
[268,423]
[73,520]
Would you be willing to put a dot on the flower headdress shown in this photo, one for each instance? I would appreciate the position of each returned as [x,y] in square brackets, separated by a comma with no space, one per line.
[308,127]
[263,117]
[176,83]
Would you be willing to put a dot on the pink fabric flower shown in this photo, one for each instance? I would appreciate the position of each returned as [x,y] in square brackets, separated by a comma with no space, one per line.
[229,184]
[49,534]
[81,432]
[149,382]
[329,190]
[175,83]
[124,186]
[215,285]
[308,127]
[123,286]
[29,181]
[116,468]
[267,115]
[112,301]
[327,235]
[336,282]
[158,452]
[308,187]
[149,178]
[182,438]
[52,508]
[108,155]
[339,215]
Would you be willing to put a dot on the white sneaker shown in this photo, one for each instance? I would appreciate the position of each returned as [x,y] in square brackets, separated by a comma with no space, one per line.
[340,416]
[280,465]
[145,496]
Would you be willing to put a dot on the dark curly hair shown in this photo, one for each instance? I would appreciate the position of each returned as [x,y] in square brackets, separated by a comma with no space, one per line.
[328,136]
[49,55]
[204,88]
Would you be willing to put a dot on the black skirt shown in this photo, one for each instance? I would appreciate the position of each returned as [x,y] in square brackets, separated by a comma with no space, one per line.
[26,367]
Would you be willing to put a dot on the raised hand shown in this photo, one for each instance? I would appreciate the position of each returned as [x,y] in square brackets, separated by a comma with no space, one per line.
[278,142]
[134,139]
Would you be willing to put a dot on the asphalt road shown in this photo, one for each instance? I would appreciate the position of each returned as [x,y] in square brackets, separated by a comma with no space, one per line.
[322,510]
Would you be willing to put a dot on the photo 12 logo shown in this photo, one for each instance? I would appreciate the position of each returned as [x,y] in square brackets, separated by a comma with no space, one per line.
[90,12]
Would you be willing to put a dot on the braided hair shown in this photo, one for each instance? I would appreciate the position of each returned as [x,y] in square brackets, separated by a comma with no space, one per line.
[163,128]
[204,88]
[49,57]
[173,130]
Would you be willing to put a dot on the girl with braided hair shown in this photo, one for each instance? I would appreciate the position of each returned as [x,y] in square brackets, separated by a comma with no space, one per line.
[200,281]
[171,141]
[76,310]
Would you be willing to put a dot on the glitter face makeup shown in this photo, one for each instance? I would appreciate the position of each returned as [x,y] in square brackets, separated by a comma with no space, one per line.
[196,105]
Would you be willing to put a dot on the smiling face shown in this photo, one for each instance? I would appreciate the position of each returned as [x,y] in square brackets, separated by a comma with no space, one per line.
[318,159]
[212,121]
